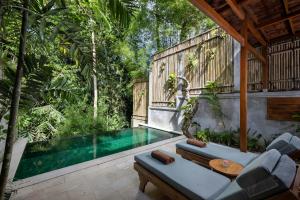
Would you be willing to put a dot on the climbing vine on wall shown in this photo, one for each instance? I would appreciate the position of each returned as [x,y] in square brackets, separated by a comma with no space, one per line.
[190,109]
[210,94]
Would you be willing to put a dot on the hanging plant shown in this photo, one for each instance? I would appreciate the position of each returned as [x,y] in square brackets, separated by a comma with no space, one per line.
[192,61]
[162,67]
[171,83]
[210,53]
[222,35]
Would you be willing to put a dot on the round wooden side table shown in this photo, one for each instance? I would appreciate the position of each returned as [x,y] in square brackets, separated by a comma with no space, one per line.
[232,170]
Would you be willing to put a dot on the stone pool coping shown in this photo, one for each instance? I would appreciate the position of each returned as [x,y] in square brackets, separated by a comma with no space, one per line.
[162,129]
[18,149]
[80,166]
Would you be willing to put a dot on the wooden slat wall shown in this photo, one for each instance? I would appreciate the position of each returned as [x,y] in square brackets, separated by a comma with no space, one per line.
[284,68]
[283,108]
[255,73]
[140,99]
[219,69]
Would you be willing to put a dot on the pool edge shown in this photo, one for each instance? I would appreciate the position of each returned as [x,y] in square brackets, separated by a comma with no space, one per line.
[84,165]
[161,129]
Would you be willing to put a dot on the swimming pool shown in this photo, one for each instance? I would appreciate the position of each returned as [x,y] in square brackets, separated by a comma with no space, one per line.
[41,157]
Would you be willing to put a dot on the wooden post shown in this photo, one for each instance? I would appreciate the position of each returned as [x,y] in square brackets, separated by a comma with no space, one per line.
[243,87]
[265,69]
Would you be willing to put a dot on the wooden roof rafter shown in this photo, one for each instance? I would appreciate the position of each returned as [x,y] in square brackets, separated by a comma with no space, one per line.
[238,10]
[212,13]
[207,9]
[279,19]
[286,12]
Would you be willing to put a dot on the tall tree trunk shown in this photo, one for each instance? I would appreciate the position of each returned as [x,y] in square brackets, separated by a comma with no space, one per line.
[95,85]
[11,131]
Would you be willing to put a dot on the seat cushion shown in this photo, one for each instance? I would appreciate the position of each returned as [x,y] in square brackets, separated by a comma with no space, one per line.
[267,175]
[281,143]
[259,169]
[213,151]
[192,180]
[233,191]
[295,141]
[285,171]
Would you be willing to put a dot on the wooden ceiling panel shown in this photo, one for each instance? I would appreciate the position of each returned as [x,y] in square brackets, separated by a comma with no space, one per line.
[293,5]
[276,30]
[296,24]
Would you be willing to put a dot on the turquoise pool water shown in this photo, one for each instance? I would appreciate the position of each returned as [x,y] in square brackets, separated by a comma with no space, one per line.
[41,157]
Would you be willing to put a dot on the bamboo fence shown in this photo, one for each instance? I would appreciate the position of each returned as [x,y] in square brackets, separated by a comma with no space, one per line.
[212,56]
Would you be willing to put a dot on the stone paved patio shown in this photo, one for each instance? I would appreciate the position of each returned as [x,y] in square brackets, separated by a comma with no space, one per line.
[113,180]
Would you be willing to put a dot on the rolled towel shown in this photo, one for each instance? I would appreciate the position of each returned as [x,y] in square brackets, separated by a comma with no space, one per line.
[162,157]
[195,142]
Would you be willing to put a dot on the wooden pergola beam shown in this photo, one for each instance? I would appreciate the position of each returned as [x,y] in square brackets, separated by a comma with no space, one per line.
[286,6]
[278,20]
[254,19]
[239,12]
[257,54]
[286,12]
[292,27]
[216,17]
[265,69]
[243,88]
[256,34]
[236,9]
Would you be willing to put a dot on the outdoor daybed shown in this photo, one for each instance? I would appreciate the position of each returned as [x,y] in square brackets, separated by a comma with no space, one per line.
[285,144]
[269,176]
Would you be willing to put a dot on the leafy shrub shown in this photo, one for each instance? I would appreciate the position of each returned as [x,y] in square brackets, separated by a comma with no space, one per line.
[79,120]
[232,138]
[40,123]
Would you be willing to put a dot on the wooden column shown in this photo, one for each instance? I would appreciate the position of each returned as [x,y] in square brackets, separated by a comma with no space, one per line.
[244,87]
[265,69]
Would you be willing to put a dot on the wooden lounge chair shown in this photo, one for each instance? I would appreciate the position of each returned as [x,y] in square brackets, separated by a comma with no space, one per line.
[270,176]
[285,144]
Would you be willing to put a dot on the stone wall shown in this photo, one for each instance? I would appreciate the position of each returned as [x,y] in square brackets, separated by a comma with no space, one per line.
[257,115]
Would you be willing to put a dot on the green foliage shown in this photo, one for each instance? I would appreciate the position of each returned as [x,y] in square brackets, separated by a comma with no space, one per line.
[56,96]
[172,104]
[40,123]
[203,135]
[188,108]
[210,94]
[230,137]
[162,67]
[192,61]
[296,116]
[171,83]
[80,121]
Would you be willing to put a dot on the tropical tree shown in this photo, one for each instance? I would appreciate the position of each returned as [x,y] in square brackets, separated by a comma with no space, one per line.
[11,131]
[38,19]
